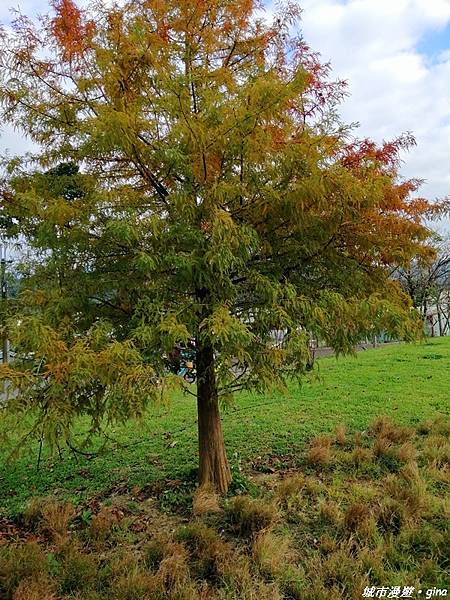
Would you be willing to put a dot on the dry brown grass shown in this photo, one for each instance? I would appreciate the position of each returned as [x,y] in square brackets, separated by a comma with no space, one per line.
[314,487]
[290,487]
[206,549]
[384,427]
[78,567]
[336,575]
[425,427]
[322,441]
[328,544]
[319,453]
[306,537]
[154,551]
[409,488]
[439,474]
[205,501]
[56,518]
[382,446]
[241,582]
[32,512]
[35,589]
[173,576]
[102,524]
[358,439]
[330,512]
[168,579]
[20,562]
[406,452]
[248,516]
[391,516]
[84,595]
[356,516]
[319,456]
[437,450]
[360,455]
[133,585]
[272,552]
[340,433]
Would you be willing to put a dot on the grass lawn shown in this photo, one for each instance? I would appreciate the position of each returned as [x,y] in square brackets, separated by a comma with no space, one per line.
[360,511]
[411,383]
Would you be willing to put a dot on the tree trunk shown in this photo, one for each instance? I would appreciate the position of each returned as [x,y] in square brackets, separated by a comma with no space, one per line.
[213,463]
[447,321]
[439,316]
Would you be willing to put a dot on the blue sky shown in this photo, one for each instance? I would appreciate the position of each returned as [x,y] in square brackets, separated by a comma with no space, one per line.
[433,43]
[395,55]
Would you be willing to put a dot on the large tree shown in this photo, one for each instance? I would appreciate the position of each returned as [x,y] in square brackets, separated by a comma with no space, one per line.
[193,181]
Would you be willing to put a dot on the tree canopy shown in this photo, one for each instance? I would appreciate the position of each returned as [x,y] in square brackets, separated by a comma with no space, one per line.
[193,182]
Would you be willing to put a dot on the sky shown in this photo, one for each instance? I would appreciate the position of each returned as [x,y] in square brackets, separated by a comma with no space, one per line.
[395,55]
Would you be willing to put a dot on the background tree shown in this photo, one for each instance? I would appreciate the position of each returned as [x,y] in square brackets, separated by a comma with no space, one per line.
[219,198]
[427,281]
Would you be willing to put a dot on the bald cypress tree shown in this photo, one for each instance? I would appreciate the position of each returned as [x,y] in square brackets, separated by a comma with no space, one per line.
[193,182]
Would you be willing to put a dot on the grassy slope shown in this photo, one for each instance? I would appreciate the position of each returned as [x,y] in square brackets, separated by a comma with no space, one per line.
[410,383]
[362,510]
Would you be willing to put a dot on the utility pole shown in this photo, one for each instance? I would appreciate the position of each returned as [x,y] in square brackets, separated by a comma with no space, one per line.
[4,295]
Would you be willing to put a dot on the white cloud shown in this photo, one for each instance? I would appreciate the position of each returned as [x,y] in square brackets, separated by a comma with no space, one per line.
[30,8]
[394,88]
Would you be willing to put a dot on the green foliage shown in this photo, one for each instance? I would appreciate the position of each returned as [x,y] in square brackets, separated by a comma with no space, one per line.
[192,181]
[240,483]
[176,499]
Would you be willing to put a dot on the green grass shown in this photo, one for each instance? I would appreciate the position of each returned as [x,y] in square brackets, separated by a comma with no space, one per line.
[373,511]
[409,382]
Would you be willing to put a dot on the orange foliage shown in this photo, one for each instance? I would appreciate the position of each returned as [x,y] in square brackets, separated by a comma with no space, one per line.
[322,92]
[163,30]
[69,30]
[207,166]
[277,134]
[386,156]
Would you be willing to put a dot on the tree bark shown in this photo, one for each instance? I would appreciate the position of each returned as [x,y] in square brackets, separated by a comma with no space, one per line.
[439,316]
[213,463]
